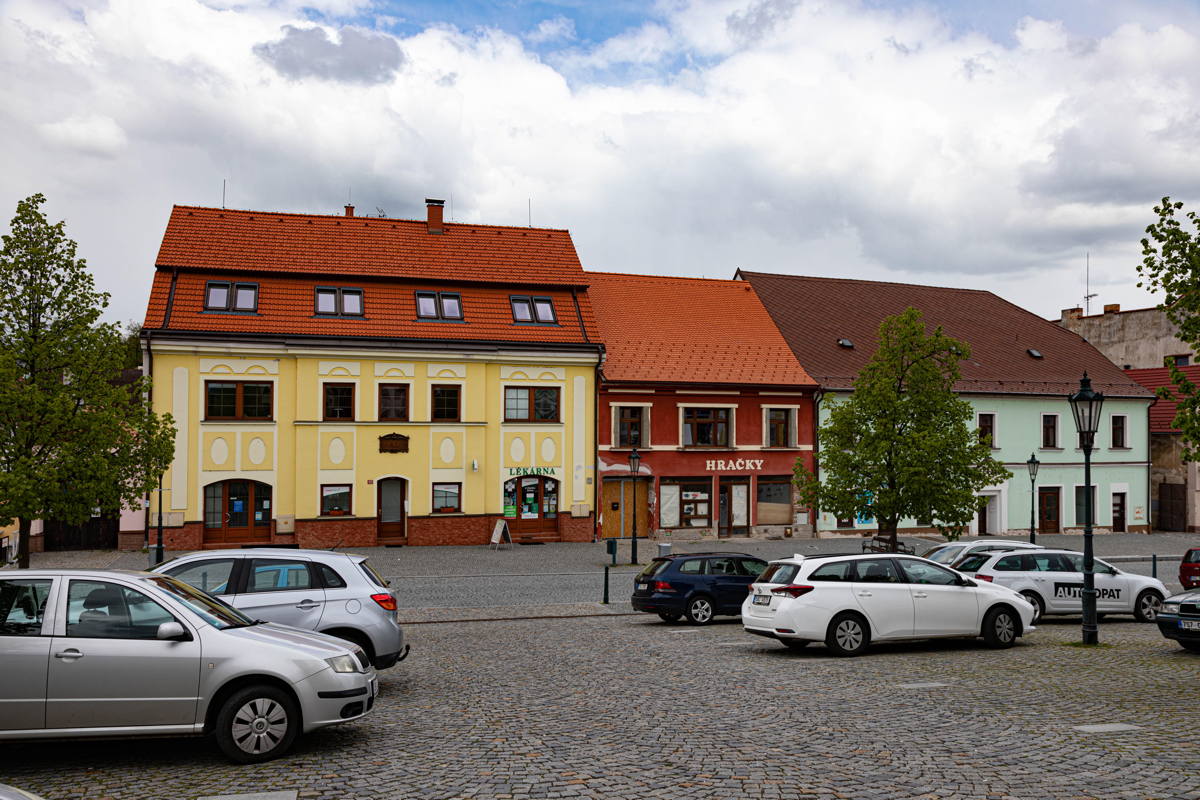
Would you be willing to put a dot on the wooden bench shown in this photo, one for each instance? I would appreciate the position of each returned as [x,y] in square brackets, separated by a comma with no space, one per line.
[883,544]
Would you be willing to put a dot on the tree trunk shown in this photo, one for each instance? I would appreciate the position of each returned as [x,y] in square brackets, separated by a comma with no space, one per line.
[887,529]
[23,543]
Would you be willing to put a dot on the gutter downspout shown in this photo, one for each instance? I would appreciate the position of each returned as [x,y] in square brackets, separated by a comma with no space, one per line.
[595,415]
[148,372]
[1187,508]
[818,396]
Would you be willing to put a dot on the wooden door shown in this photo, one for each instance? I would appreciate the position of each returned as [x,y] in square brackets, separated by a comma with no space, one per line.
[1171,507]
[1048,510]
[1118,511]
[237,512]
[733,507]
[982,521]
[392,527]
[619,504]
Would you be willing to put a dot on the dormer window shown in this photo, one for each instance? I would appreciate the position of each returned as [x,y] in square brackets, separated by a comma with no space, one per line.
[439,305]
[226,296]
[334,301]
[532,310]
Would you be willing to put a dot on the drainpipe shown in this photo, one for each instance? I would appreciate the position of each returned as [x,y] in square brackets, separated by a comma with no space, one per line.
[818,396]
[596,449]
[148,372]
[1187,508]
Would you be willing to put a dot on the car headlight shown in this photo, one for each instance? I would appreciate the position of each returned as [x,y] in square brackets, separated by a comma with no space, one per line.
[342,664]
[1169,608]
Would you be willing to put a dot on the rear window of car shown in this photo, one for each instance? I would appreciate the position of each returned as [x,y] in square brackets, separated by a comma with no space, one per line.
[654,567]
[779,573]
[973,562]
[370,572]
[946,555]
[1192,556]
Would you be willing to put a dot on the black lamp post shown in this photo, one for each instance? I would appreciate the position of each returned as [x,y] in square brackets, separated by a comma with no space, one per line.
[156,552]
[1033,465]
[1085,405]
[635,463]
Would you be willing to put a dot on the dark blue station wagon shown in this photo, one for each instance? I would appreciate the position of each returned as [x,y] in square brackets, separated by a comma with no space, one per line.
[698,586]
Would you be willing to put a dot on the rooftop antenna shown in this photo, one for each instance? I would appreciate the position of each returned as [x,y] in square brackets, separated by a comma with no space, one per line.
[223,192]
[1088,294]
[529,202]
[452,206]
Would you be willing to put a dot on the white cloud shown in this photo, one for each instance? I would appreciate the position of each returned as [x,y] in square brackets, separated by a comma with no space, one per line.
[555,29]
[780,135]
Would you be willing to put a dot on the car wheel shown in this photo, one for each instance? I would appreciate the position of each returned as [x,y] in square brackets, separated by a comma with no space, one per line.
[1147,605]
[795,644]
[1000,627]
[666,616]
[700,610]
[256,724]
[848,634]
[1035,600]
[1193,647]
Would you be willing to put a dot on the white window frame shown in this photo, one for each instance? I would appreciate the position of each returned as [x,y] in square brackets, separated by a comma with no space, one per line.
[1127,445]
[995,426]
[1057,430]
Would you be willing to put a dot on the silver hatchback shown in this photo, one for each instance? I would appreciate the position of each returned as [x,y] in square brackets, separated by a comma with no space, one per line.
[112,653]
[335,593]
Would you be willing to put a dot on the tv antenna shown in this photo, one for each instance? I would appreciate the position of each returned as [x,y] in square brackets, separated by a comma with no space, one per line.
[1088,294]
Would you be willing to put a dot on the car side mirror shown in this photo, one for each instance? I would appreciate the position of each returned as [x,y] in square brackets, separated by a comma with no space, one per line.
[966,582]
[172,631]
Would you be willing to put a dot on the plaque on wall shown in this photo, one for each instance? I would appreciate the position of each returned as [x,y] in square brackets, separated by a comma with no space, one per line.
[393,443]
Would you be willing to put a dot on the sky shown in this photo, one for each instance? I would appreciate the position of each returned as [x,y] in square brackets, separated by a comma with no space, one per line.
[1011,146]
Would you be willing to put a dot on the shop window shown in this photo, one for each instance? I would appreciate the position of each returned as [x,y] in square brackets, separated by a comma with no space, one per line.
[333,301]
[987,429]
[779,427]
[706,427]
[393,402]
[1118,432]
[338,401]
[685,502]
[527,404]
[774,500]
[445,404]
[1049,431]
[447,498]
[439,305]
[237,400]
[335,500]
[226,296]
[630,421]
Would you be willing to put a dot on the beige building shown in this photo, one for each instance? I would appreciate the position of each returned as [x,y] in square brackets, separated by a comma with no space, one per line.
[1136,339]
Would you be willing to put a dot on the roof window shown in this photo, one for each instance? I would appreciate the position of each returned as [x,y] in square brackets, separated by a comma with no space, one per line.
[1034,353]
[533,310]
[439,305]
[226,296]
[845,343]
[337,301]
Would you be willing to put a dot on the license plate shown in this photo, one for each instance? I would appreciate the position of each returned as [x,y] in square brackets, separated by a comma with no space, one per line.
[643,587]
[1189,625]
[374,687]
[762,599]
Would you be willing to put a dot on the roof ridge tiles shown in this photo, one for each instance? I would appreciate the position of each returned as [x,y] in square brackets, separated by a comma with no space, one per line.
[866,280]
[342,218]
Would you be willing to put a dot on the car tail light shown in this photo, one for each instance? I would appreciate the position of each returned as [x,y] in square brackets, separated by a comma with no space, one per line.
[386,601]
[662,586]
[987,578]
[794,590]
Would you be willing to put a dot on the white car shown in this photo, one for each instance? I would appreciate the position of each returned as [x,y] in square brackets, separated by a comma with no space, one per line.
[952,553]
[849,601]
[1052,580]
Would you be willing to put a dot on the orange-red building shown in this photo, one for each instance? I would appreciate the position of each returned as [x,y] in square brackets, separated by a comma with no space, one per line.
[700,382]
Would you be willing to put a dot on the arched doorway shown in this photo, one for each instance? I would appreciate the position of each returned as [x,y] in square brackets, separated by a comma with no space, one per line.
[237,512]
[393,524]
[531,504]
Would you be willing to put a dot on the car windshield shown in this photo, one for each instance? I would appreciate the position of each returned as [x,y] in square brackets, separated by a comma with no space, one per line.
[208,608]
[946,555]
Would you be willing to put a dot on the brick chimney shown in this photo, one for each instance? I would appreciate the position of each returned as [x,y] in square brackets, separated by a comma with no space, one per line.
[1072,313]
[434,208]
[349,210]
[1112,308]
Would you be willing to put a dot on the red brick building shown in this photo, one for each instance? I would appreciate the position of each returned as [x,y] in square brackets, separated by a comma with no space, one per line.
[698,379]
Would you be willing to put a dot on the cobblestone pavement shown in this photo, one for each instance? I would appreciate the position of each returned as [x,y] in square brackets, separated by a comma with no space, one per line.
[628,707]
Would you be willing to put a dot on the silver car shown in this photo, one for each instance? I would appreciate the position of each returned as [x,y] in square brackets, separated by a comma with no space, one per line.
[335,593]
[112,653]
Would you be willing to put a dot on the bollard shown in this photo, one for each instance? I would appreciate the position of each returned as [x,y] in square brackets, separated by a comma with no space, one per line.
[605,601]
[1154,565]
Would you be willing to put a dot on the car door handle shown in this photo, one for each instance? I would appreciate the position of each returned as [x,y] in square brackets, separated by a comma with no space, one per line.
[920,594]
[307,605]
[69,654]
[864,594]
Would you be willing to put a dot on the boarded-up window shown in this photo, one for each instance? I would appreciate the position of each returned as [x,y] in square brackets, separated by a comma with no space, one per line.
[774,500]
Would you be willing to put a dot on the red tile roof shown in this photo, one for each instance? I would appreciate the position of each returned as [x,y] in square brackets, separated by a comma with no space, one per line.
[1162,413]
[689,330]
[240,241]
[289,255]
[814,313]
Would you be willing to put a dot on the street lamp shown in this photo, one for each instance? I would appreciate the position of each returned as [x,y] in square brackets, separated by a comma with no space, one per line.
[156,552]
[1033,465]
[1085,405]
[635,462]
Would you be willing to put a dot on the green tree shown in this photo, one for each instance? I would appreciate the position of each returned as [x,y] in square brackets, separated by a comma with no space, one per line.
[1171,265]
[72,438]
[903,443]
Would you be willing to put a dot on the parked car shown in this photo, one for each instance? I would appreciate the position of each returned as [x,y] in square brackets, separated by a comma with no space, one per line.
[13,793]
[1189,569]
[335,593]
[849,601]
[87,653]
[1052,581]
[950,554]
[698,586]
[1179,619]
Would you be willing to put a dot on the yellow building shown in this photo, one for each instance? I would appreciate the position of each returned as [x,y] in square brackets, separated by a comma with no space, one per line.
[340,380]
